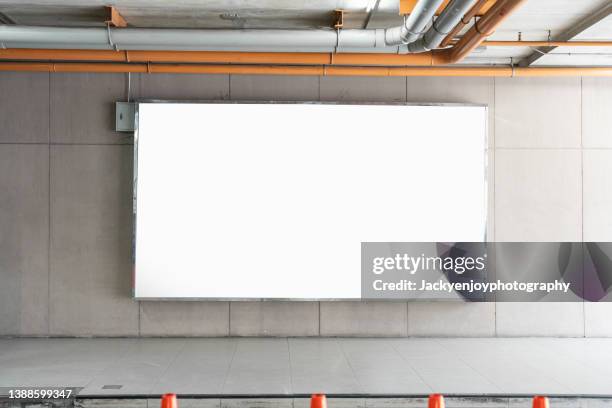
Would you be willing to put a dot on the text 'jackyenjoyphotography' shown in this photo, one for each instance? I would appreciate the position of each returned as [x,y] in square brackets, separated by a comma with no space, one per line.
[485,271]
[471,286]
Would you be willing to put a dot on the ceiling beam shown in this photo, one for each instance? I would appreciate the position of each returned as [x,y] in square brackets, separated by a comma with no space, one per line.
[370,14]
[4,19]
[584,24]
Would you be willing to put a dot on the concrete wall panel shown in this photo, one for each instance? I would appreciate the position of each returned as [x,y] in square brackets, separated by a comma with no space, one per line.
[170,318]
[83,108]
[274,318]
[384,319]
[540,319]
[24,233]
[184,87]
[596,112]
[269,88]
[537,112]
[363,89]
[24,107]
[538,195]
[597,197]
[91,236]
[451,319]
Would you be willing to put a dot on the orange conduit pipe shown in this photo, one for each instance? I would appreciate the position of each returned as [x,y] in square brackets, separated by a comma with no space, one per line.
[218,57]
[521,43]
[481,29]
[307,70]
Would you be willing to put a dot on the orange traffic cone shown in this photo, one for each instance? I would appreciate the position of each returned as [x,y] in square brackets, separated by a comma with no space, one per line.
[168,401]
[540,402]
[318,401]
[436,401]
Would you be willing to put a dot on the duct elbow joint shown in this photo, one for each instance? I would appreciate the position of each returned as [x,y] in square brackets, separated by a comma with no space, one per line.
[399,36]
[393,36]
[418,46]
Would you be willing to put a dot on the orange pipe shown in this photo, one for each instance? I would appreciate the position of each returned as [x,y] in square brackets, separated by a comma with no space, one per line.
[99,67]
[521,43]
[72,67]
[563,71]
[236,69]
[219,57]
[481,29]
[308,70]
[26,66]
[330,70]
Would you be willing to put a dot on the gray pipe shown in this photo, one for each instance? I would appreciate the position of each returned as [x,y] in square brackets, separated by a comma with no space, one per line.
[414,25]
[444,24]
[13,36]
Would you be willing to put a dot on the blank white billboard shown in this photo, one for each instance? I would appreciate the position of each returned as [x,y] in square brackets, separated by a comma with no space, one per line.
[272,201]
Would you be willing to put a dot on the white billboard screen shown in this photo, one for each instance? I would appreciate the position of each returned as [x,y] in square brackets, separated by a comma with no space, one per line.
[272,201]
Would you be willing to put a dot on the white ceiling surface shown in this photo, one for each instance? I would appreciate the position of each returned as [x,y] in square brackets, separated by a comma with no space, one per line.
[534,20]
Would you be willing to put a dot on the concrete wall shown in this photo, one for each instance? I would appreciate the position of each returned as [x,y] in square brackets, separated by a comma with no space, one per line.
[65,197]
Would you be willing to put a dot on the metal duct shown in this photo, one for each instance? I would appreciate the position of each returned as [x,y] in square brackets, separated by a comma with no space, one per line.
[444,24]
[321,40]
[205,39]
[414,25]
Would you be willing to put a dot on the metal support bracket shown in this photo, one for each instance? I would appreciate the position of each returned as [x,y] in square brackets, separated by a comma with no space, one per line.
[338,19]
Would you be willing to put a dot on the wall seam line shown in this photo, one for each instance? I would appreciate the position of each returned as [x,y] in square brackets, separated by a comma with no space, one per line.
[319,329]
[49,208]
[582,196]
[139,87]
[319,99]
[407,303]
[229,303]
[493,182]
[229,87]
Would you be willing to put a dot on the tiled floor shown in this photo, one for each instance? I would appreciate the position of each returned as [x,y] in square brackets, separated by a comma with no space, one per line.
[296,366]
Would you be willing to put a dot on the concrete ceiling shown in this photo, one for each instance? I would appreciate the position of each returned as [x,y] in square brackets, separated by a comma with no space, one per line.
[534,20]
[194,14]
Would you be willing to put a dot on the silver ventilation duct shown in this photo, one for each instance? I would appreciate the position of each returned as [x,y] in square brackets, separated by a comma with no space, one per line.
[448,19]
[415,23]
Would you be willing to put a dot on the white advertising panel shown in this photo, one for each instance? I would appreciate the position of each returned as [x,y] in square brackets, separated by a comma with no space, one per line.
[273,201]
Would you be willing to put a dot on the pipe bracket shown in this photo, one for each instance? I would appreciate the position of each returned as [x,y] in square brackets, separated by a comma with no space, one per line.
[110,38]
